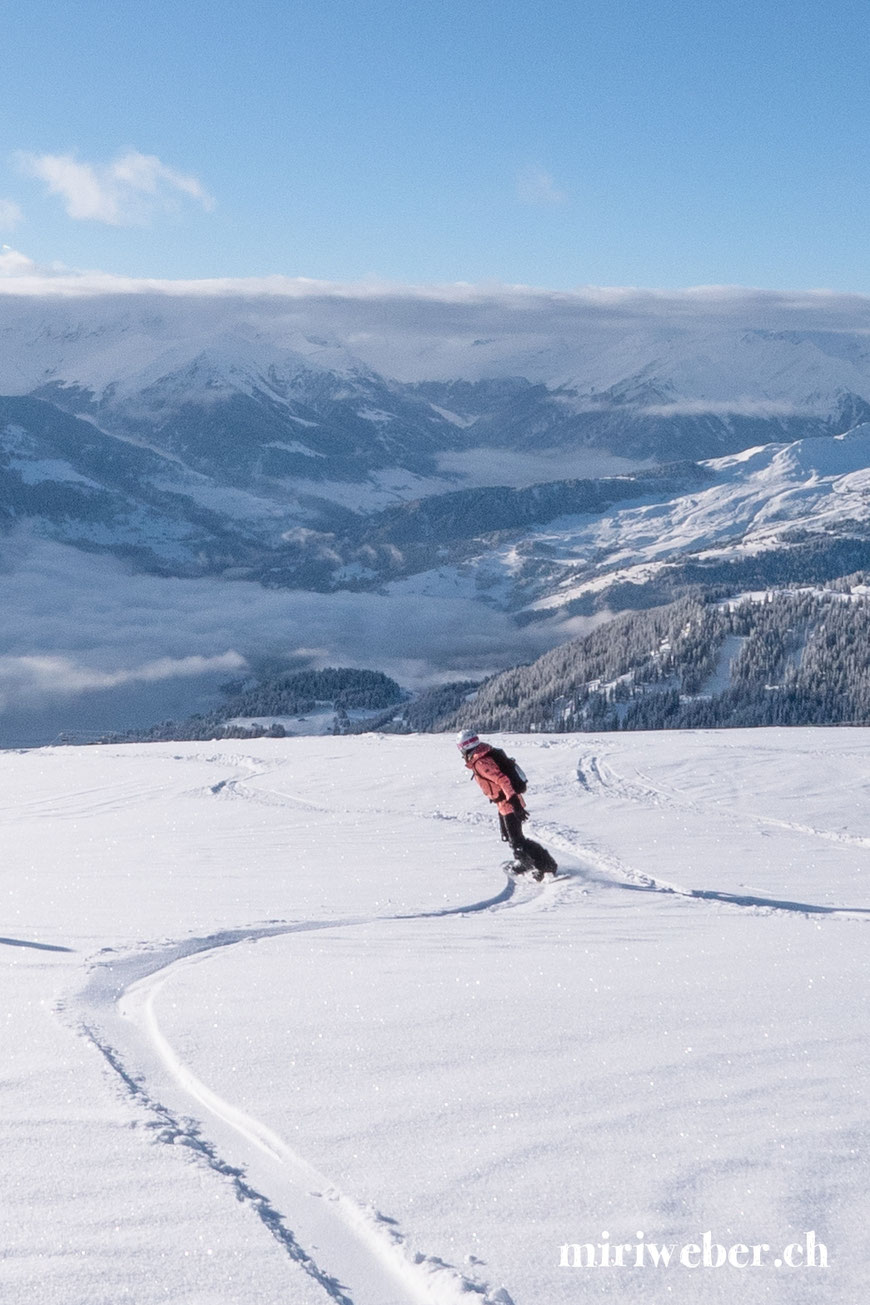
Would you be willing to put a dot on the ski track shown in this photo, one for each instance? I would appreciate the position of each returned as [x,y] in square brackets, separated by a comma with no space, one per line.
[86,802]
[596,777]
[121,991]
[124,988]
[177,1132]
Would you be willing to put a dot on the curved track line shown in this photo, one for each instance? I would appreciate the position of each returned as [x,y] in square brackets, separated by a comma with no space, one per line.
[595,776]
[176,1131]
[416,1280]
[769,905]
[829,835]
[363,1245]
[609,872]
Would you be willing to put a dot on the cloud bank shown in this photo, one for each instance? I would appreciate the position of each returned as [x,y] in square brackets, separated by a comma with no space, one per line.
[50,676]
[77,625]
[129,191]
[461,304]
[737,407]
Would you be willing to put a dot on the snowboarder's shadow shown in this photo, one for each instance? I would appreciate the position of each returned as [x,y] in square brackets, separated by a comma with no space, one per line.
[740,899]
[37,946]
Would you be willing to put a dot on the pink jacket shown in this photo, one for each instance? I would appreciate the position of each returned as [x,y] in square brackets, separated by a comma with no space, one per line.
[494,782]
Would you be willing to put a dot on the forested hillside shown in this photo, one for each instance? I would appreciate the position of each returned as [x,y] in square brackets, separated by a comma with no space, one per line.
[778,657]
[276,693]
[782,658]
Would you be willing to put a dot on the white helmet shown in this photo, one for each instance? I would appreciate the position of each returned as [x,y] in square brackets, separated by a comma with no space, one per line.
[467,741]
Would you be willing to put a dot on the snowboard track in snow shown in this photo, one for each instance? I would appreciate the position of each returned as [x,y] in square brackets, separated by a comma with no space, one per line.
[178,1132]
[746,900]
[421,1279]
[596,777]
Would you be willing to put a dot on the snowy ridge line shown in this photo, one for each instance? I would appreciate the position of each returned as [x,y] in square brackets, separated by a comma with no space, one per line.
[174,1132]
[122,990]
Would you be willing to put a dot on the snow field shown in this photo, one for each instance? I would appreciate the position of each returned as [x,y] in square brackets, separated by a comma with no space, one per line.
[332,1055]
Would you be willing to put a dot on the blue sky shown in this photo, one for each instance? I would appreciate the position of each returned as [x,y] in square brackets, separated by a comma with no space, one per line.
[572,142]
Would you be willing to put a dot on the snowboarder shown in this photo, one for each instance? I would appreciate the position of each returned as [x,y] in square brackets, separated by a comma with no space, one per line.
[503,782]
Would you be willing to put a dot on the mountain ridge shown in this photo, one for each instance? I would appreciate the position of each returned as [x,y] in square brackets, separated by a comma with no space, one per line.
[527,466]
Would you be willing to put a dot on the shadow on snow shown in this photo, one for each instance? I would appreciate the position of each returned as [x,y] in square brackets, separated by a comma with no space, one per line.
[39,947]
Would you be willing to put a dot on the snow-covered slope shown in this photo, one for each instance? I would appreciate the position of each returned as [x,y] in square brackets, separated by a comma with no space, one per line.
[758,509]
[278,1029]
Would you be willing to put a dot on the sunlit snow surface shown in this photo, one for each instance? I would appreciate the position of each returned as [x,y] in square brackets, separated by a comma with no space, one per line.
[278,1029]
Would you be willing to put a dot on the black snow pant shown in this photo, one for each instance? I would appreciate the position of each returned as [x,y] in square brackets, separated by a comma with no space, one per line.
[529,854]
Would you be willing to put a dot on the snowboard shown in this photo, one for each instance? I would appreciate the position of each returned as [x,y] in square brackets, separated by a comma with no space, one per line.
[517,871]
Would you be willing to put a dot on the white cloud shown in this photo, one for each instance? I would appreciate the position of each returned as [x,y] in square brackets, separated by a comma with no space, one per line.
[14,263]
[46,675]
[419,332]
[129,191]
[10,215]
[739,407]
[537,186]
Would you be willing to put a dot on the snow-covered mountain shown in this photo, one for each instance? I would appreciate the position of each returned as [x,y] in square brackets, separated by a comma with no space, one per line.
[774,514]
[543,457]
[780,513]
[224,421]
[323,389]
[773,657]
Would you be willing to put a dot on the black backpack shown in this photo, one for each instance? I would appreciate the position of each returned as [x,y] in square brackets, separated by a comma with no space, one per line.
[509,768]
